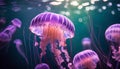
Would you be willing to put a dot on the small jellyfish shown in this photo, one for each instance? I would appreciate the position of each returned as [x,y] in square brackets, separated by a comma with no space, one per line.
[42,66]
[15,7]
[6,34]
[17,22]
[86,59]
[86,42]
[53,29]
[18,43]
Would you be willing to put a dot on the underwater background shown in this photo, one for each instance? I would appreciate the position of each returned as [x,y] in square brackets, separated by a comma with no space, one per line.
[90,17]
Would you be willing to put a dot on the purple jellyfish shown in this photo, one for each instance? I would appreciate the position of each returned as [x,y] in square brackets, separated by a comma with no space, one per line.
[18,43]
[16,22]
[112,34]
[42,66]
[6,34]
[86,42]
[86,59]
[53,28]
[15,7]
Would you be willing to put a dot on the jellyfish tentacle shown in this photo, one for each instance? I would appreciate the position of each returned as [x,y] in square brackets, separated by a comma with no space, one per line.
[66,54]
[18,43]
[22,53]
[116,54]
[57,54]
[43,45]
[35,41]
[44,41]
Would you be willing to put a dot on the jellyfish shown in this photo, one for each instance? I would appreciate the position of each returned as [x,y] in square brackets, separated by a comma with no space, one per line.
[86,59]
[18,43]
[17,22]
[6,34]
[112,35]
[86,42]
[42,66]
[53,29]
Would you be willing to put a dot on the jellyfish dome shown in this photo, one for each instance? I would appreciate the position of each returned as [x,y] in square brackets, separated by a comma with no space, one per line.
[18,41]
[52,29]
[86,59]
[42,66]
[49,21]
[112,33]
[86,41]
[16,22]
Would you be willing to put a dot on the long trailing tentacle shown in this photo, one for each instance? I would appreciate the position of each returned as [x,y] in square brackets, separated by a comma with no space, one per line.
[22,53]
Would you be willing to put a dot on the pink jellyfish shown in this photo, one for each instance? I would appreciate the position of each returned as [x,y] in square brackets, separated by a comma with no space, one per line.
[86,42]
[6,34]
[86,59]
[53,28]
[112,34]
[42,66]
[18,43]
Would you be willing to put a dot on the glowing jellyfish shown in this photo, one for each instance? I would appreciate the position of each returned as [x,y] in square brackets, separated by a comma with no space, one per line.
[86,42]
[53,28]
[112,34]
[6,34]
[18,43]
[42,66]
[86,59]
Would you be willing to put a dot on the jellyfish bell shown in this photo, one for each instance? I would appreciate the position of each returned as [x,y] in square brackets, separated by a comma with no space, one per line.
[48,19]
[86,59]
[86,42]
[16,22]
[112,33]
[52,27]
[18,42]
[42,66]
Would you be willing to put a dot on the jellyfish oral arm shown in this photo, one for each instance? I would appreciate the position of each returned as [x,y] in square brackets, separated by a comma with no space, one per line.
[43,45]
[66,54]
[116,54]
[57,54]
